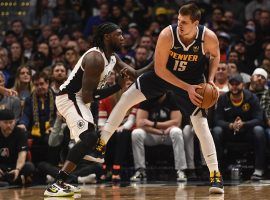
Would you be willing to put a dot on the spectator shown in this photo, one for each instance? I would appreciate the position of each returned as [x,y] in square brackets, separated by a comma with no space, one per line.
[258,82]
[17,59]
[23,83]
[17,26]
[233,69]
[28,45]
[9,102]
[158,122]
[255,5]
[13,146]
[10,38]
[59,75]
[221,78]
[38,116]
[141,57]
[94,21]
[71,57]
[39,15]
[239,119]
[56,49]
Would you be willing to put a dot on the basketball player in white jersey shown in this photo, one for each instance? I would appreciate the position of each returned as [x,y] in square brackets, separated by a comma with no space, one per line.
[73,102]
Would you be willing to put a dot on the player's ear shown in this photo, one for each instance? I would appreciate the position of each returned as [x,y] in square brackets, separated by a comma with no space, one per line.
[197,22]
[107,36]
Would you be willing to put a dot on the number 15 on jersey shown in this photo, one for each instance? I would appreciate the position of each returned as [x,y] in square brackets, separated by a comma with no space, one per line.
[180,65]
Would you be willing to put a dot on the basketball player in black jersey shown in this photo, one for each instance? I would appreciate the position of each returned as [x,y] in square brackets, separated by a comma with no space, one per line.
[180,57]
[79,90]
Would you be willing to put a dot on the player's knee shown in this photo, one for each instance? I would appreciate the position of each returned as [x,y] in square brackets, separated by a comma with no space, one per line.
[89,138]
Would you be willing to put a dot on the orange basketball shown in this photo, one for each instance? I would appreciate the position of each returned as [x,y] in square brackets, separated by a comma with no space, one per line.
[209,94]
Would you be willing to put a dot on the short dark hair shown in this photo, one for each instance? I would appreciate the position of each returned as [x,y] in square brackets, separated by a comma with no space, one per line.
[192,10]
[59,64]
[43,75]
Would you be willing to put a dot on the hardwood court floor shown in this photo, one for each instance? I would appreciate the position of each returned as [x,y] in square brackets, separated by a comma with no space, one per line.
[153,191]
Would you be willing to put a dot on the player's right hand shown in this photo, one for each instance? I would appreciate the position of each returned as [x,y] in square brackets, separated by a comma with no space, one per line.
[194,97]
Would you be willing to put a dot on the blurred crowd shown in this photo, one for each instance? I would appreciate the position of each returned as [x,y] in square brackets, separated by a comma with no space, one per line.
[38,52]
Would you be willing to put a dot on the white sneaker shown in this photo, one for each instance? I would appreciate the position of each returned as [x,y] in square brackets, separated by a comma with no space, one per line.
[58,189]
[73,188]
[181,176]
[91,178]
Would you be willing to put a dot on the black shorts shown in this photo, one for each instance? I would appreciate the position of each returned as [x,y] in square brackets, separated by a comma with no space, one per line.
[153,86]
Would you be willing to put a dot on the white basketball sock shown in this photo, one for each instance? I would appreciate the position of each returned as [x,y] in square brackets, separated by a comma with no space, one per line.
[202,131]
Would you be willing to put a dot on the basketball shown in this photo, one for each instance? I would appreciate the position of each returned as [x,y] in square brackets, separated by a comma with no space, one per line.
[209,94]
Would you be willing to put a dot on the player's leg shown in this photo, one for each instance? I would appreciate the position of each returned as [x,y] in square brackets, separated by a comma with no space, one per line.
[80,122]
[201,128]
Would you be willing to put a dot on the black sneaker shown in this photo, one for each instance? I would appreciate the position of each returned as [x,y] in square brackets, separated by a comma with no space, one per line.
[216,183]
[58,189]
[99,152]
[139,175]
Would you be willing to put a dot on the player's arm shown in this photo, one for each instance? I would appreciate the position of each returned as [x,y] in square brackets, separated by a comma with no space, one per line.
[211,46]
[126,70]
[162,51]
[93,65]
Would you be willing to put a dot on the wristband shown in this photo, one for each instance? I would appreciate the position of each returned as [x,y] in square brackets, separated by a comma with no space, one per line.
[155,124]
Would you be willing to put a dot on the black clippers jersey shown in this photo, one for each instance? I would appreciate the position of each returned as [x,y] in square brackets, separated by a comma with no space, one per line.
[187,63]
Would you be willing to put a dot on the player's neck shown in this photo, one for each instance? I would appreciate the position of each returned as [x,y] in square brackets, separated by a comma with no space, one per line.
[108,53]
[189,38]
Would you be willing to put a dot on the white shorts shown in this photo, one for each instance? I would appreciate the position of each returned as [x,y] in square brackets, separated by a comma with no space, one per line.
[76,113]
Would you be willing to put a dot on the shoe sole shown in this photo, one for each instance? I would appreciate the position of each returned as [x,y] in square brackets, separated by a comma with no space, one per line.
[50,194]
[216,190]
[93,159]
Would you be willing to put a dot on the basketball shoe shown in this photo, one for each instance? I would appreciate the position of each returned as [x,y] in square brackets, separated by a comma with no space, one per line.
[58,189]
[216,183]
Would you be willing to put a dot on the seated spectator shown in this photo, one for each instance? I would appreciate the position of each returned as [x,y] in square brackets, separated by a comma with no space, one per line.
[59,75]
[23,83]
[233,69]
[239,120]
[221,78]
[38,116]
[258,83]
[13,148]
[9,102]
[158,122]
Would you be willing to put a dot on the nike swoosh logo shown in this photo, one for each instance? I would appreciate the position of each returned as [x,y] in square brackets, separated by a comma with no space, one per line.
[176,47]
[226,109]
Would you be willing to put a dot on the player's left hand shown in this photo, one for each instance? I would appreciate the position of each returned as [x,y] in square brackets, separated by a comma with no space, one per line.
[214,86]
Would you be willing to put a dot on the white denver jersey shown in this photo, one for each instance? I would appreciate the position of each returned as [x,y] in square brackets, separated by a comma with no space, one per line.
[73,84]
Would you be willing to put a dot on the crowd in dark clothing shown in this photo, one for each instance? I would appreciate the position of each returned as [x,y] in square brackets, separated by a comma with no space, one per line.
[38,52]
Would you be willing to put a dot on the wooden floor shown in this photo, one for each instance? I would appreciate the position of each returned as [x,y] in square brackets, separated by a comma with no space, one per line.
[150,191]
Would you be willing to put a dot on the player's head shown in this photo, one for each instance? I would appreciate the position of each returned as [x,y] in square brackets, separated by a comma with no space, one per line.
[188,18]
[108,35]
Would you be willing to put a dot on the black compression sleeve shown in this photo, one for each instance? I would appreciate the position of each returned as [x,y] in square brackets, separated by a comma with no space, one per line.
[103,93]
